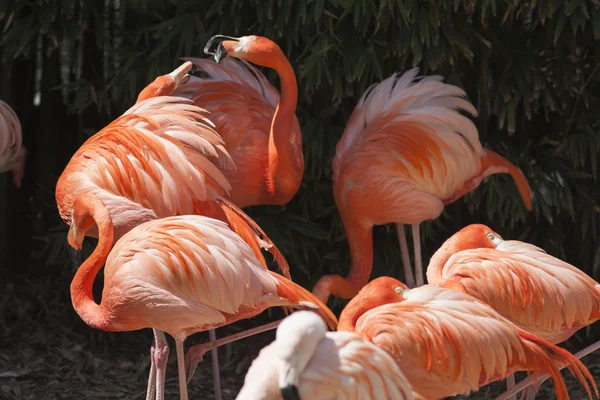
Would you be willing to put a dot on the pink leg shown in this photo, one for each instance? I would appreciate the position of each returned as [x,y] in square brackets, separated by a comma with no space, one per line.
[212,336]
[418,258]
[532,379]
[183,393]
[510,383]
[152,378]
[408,272]
[196,353]
[161,356]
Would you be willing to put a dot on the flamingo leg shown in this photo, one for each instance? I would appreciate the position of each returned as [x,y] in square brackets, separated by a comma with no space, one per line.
[525,383]
[212,336]
[183,393]
[418,259]
[161,356]
[408,273]
[152,378]
[510,383]
[196,353]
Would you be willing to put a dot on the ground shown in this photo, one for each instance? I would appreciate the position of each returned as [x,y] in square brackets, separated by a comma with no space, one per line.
[47,352]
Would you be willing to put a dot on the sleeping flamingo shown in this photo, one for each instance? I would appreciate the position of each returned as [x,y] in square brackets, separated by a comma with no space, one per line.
[450,343]
[258,126]
[406,152]
[155,161]
[12,151]
[544,296]
[179,275]
[306,362]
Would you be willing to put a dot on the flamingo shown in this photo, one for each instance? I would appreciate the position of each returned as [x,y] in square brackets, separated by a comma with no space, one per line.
[447,342]
[306,362]
[259,127]
[179,275]
[12,151]
[406,152]
[153,162]
[546,296]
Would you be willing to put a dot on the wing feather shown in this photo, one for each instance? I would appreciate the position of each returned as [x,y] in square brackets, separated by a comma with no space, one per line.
[544,295]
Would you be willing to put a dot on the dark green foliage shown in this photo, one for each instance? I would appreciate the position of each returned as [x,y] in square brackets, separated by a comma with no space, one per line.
[530,67]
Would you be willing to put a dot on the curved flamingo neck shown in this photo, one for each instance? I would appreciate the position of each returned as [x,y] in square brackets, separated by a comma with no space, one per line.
[280,176]
[81,287]
[439,259]
[360,240]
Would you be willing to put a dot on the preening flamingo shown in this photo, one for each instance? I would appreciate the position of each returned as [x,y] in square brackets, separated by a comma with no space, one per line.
[178,275]
[406,152]
[12,151]
[153,162]
[545,296]
[306,362]
[259,127]
[430,331]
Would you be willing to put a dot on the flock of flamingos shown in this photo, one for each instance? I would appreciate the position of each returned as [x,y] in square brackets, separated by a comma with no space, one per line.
[162,188]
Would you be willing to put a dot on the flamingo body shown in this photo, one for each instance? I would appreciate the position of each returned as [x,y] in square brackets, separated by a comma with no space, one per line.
[323,365]
[447,342]
[12,151]
[242,104]
[545,295]
[405,153]
[187,274]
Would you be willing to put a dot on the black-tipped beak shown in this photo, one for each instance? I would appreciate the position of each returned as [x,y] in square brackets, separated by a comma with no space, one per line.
[290,392]
[76,256]
[221,53]
[217,39]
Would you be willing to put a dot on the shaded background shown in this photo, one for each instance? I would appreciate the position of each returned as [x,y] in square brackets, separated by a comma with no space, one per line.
[70,67]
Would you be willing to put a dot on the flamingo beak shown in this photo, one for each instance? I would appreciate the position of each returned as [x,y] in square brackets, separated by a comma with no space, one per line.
[182,74]
[290,392]
[221,52]
[76,256]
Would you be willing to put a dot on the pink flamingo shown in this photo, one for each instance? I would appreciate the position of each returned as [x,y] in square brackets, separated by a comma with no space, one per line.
[179,275]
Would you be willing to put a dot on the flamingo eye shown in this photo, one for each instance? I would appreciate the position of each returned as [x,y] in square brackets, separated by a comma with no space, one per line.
[490,236]
[398,289]
[252,37]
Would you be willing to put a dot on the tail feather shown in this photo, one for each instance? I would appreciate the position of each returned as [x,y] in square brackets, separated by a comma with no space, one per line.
[249,230]
[543,355]
[494,163]
[304,299]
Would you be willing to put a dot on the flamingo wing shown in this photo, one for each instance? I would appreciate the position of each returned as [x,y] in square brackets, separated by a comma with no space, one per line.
[431,332]
[199,272]
[408,139]
[11,144]
[155,156]
[543,294]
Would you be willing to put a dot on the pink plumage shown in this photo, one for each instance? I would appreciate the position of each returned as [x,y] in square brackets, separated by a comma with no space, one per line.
[12,151]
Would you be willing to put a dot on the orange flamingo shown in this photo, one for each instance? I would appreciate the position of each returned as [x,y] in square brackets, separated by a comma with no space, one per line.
[545,296]
[153,162]
[259,127]
[429,331]
[179,275]
[12,151]
[306,362]
[406,152]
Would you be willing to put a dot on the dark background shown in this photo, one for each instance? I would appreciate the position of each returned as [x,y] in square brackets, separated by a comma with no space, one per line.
[530,68]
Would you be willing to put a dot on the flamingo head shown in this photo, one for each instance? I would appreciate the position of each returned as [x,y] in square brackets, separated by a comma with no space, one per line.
[380,291]
[165,85]
[256,49]
[476,236]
